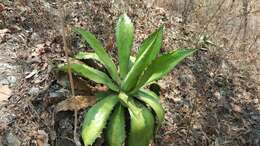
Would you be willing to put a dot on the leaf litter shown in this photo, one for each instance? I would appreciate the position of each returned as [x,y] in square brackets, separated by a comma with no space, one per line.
[75,103]
[5,93]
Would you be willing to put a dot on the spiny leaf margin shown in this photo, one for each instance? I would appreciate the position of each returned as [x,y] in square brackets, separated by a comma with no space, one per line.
[101,53]
[115,133]
[153,101]
[151,49]
[87,55]
[95,119]
[89,73]
[142,122]
[124,42]
[162,66]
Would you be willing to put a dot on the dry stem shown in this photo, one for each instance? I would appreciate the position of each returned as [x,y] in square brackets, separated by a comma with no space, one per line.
[65,47]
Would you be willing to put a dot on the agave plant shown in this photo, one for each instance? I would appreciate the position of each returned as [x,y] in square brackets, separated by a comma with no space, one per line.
[126,95]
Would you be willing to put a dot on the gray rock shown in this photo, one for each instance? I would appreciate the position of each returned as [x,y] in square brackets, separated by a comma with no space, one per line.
[34,91]
[6,116]
[11,79]
[12,140]
[4,81]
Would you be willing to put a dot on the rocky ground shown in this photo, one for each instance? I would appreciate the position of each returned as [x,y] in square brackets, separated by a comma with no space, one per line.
[211,99]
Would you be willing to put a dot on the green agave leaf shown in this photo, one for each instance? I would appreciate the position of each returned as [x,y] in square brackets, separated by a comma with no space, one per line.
[115,133]
[101,53]
[147,42]
[124,42]
[148,51]
[131,61]
[163,65]
[102,95]
[89,73]
[87,55]
[152,100]
[95,119]
[142,122]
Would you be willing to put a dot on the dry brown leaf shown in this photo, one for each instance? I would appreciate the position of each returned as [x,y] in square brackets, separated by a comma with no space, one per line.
[42,138]
[236,108]
[3,32]
[75,103]
[2,7]
[5,93]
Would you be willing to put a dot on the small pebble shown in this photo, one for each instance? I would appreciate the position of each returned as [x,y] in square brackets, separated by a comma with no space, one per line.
[34,91]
